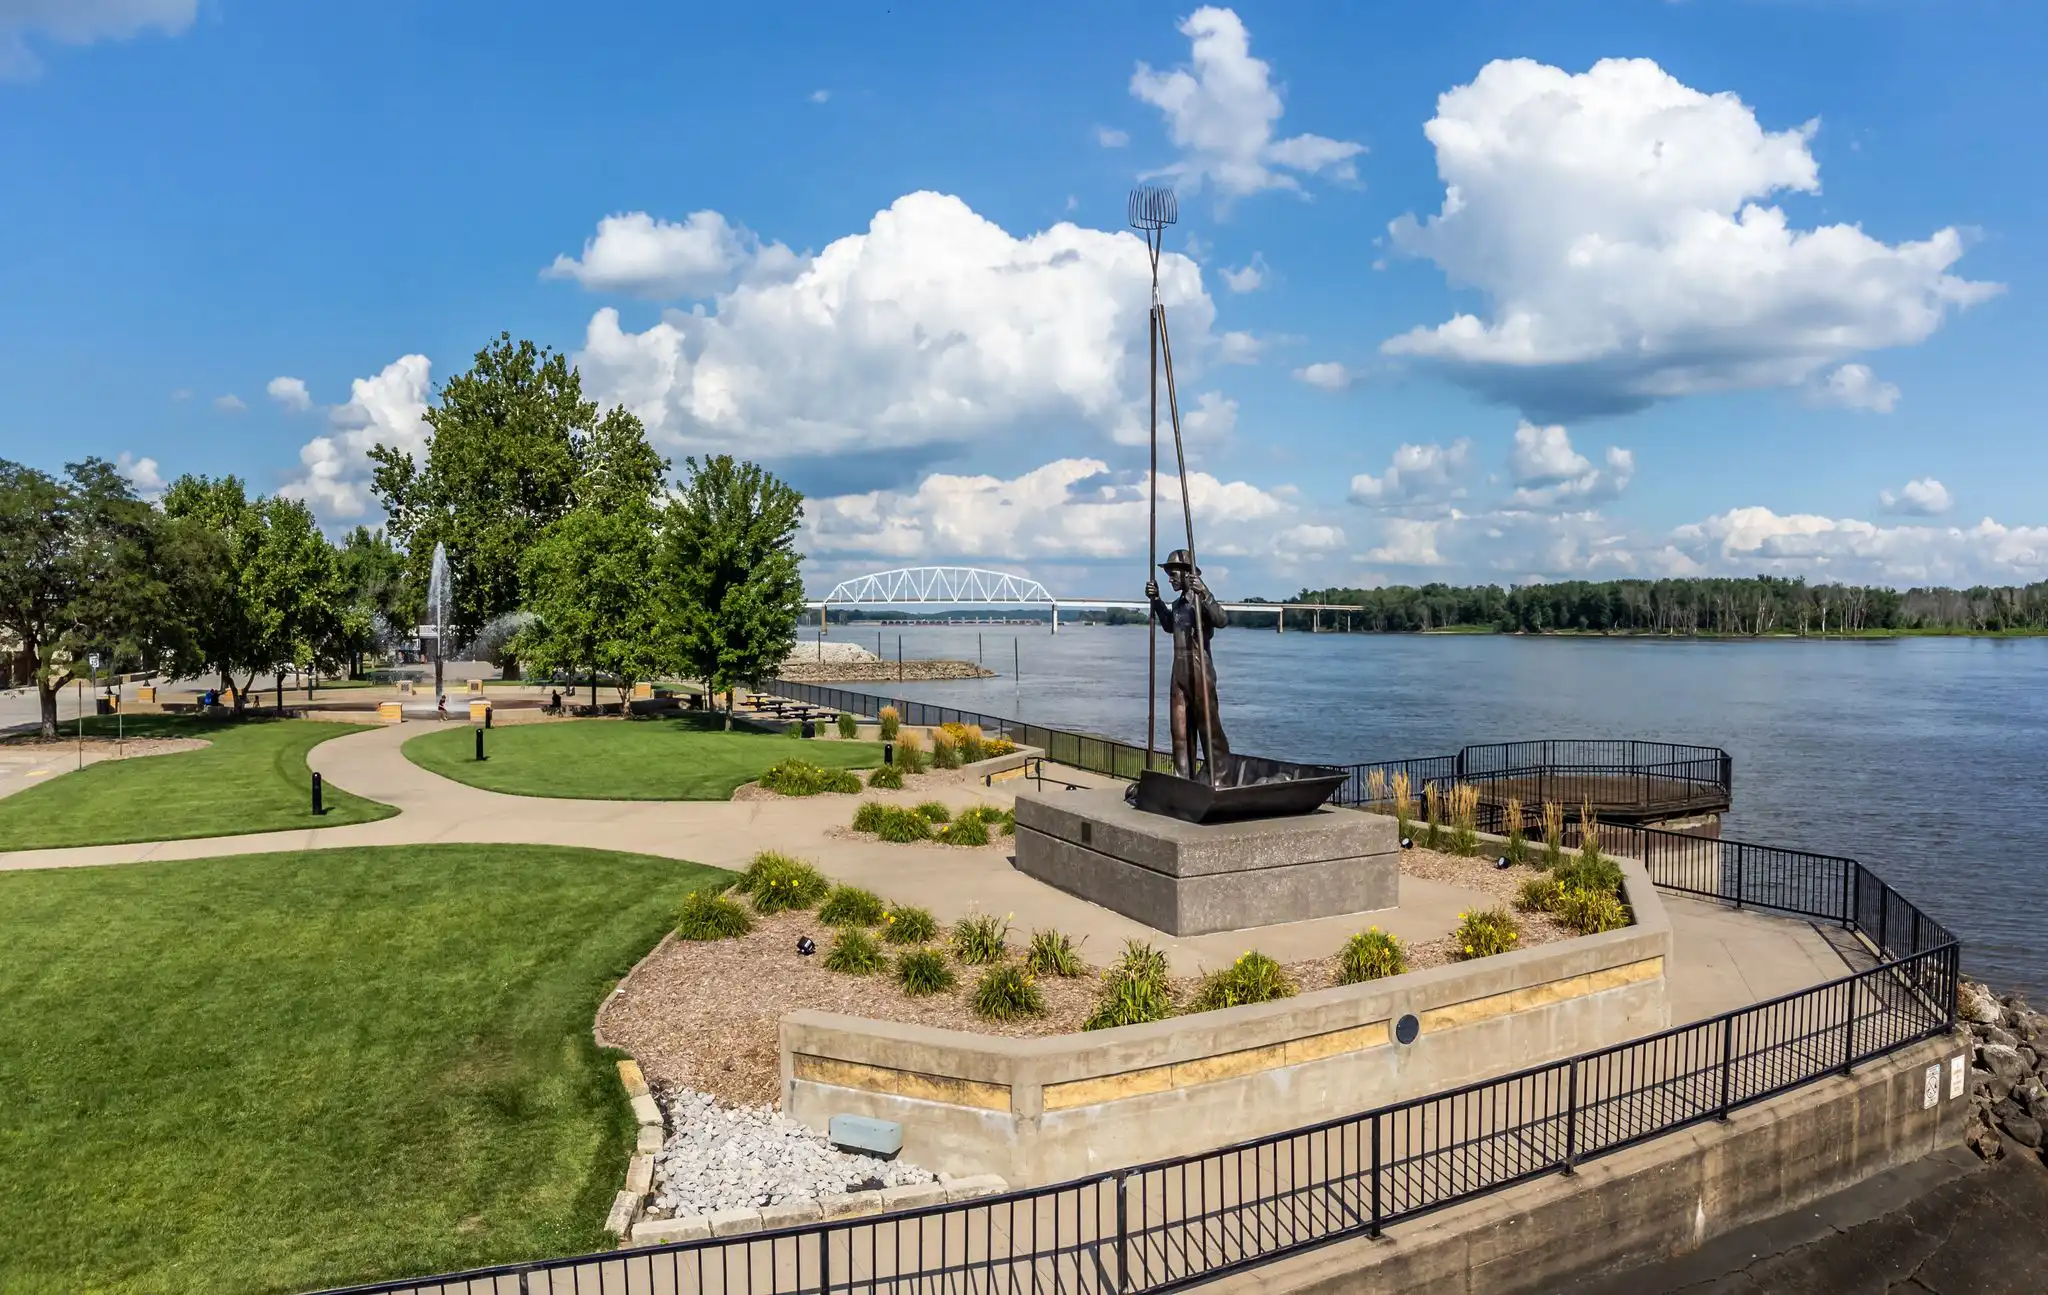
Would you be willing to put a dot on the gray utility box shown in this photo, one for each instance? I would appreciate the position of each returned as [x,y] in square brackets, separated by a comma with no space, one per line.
[1193,878]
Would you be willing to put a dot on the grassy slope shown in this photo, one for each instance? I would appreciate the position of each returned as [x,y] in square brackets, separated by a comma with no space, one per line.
[252,779]
[686,758]
[277,1072]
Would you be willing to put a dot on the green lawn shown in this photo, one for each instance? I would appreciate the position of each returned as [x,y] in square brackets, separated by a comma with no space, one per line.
[285,1071]
[688,757]
[252,779]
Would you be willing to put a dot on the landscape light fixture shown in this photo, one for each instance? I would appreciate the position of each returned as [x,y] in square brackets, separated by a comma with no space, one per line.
[1407,843]
[806,946]
[1502,863]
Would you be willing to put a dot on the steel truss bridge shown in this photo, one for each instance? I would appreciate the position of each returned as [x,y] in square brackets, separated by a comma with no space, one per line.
[971,587]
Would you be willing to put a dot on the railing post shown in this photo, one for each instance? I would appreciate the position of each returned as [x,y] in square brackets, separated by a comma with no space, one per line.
[1884,913]
[1373,1229]
[824,1261]
[1727,1062]
[1571,1118]
[1849,1026]
[1738,876]
[1123,1252]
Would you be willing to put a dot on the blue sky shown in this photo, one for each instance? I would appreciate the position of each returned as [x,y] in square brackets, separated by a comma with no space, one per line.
[880,247]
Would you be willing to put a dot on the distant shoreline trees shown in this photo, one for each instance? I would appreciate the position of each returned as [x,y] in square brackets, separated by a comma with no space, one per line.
[1683,607]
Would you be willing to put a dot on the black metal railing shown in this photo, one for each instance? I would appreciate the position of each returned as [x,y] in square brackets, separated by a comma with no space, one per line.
[1610,773]
[1178,1222]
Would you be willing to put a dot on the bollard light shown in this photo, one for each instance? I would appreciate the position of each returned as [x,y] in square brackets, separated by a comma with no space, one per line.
[888,753]
[317,809]
[479,744]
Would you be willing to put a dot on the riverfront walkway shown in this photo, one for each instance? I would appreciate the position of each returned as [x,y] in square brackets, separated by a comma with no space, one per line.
[1721,959]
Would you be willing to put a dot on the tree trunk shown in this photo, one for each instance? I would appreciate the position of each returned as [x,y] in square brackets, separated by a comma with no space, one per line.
[728,710]
[46,693]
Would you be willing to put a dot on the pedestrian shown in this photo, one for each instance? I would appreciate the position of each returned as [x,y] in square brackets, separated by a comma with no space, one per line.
[440,707]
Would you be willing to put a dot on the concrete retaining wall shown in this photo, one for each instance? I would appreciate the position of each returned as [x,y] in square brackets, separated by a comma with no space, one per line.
[1045,1109]
[1662,1198]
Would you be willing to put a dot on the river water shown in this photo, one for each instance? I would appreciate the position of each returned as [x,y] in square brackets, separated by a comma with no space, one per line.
[1926,758]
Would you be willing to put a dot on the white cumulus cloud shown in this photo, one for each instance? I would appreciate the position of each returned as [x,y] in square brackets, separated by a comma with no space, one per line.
[1920,497]
[1069,509]
[931,326]
[1753,540]
[1417,475]
[1222,112]
[1549,473]
[1854,386]
[81,22]
[1617,222]
[1327,375]
[1249,277]
[1111,137]
[636,254]
[291,393]
[387,408]
[229,403]
[143,475]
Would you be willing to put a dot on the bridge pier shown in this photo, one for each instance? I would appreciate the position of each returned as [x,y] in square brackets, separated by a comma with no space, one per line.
[1055,618]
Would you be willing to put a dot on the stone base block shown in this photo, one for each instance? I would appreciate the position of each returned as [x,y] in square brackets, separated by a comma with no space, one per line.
[1191,879]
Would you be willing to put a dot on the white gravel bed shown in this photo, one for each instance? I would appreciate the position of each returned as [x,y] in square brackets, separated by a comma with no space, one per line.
[744,1157]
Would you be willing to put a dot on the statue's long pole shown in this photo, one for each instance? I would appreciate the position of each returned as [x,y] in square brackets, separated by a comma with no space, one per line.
[1200,653]
[1152,525]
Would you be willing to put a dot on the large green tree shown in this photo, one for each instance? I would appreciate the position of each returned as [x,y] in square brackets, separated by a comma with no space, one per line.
[514,447]
[595,604]
[373,589]
[256,581]
[76,572]
[730,570]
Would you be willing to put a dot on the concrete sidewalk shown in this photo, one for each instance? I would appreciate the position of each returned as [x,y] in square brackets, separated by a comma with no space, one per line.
[1721,959]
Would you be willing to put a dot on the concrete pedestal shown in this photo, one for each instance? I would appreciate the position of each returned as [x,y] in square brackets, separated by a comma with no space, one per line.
[1190,879]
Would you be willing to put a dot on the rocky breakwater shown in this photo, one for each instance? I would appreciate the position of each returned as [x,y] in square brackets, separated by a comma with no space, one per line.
[842,662]
[2009,1074]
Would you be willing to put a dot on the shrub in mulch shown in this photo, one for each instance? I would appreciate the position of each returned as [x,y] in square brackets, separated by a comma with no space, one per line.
[851,906]
[1134,990]
[980,940]
[923,972]
[855,953]
[1253,978]
[1370,955]
[1006,993]
[708,915]
[776,883]
[802,778]
[909,926]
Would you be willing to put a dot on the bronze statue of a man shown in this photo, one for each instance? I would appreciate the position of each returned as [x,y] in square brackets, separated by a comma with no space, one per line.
[1192,695]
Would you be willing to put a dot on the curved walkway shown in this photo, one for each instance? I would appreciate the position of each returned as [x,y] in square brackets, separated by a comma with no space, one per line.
[1721,959]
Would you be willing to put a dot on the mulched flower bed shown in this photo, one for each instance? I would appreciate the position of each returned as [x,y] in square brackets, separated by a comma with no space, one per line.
[705,1014]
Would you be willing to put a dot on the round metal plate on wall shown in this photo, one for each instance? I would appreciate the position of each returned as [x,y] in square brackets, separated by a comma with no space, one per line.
[1408,1028]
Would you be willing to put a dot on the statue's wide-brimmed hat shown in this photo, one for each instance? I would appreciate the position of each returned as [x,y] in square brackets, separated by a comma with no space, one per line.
[1178,560]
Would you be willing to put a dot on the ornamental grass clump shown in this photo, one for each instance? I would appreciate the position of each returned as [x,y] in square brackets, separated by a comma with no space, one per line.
[1376,789]
[849,727]
[1553,834]
[1433,820]
[981,939]
[1465,819]
[887,778]
[708,915]
[855,953]
[1371,955]
[1518,844]
[778,883]
[1006,993]
[1134,990]
[1253,978]
[967,740]
[891,822]
[1052,953]
[851,906]
[1589,834]
[945,750]
[1403,804]
[969,830]
[1485,933]
[933,811]
[909,926]
[910,755]
[995,746]
[921,973]
[1540,894]
[802,778]
[1590,912]
[890,722]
